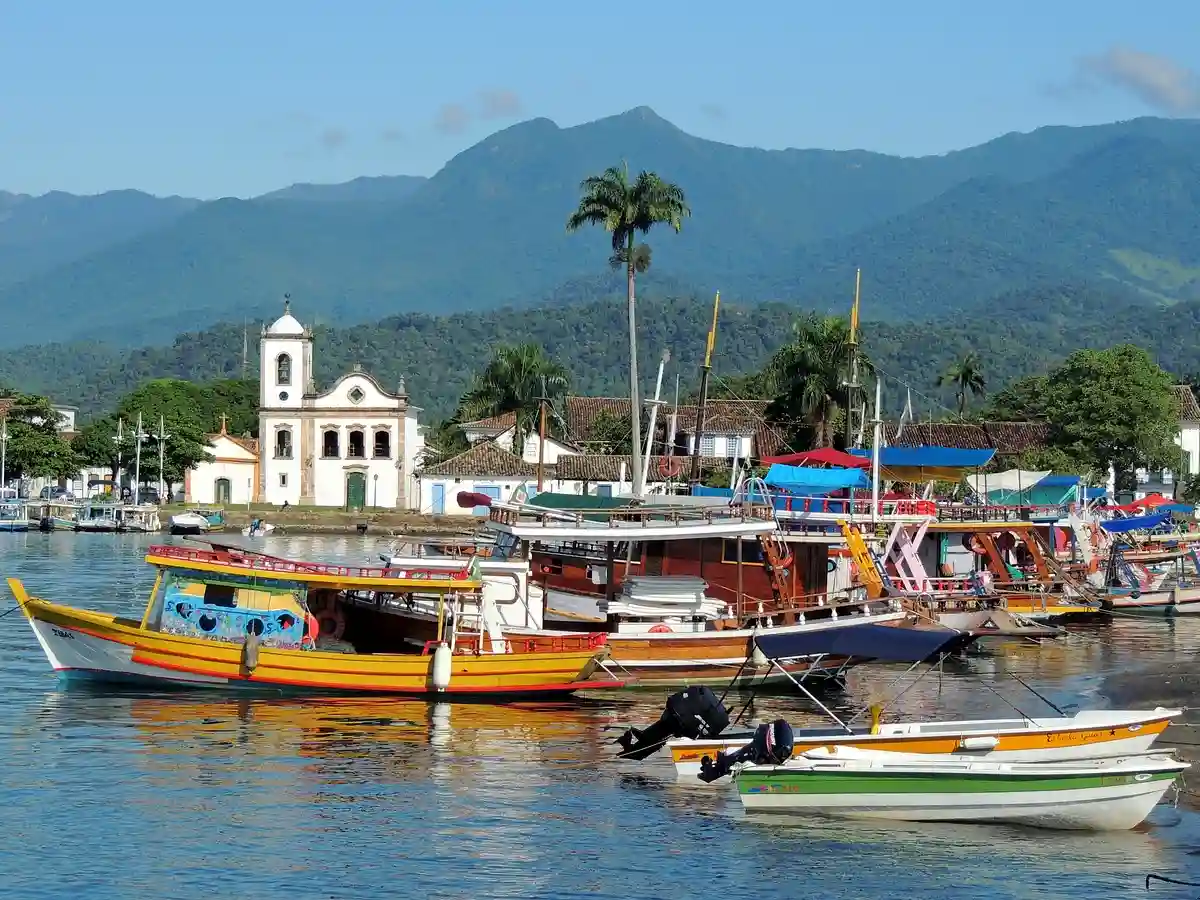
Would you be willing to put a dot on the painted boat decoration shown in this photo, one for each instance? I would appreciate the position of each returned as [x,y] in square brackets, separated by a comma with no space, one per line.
[220,619]
[1085,795]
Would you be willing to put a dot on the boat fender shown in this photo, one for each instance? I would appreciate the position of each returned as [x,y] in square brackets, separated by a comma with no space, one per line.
[312,628]
[980,742]
[758,659]
[441,667]
[660,628]
[250,652]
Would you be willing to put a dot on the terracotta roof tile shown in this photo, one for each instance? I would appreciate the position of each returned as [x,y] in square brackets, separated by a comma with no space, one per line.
[488,460]
[502,422]
[1017,437]
[602,467]
[1189,410]
[1004,437]
[5,405]
[250,445]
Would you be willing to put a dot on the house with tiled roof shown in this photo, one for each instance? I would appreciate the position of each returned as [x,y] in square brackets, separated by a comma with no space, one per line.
[732,428]
[486,468]
[502,431]
[1187,438]
[611,475]
[230,476]
[1008,439]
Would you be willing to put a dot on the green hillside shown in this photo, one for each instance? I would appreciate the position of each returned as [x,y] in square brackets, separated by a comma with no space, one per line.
[935,233]
[1020,333]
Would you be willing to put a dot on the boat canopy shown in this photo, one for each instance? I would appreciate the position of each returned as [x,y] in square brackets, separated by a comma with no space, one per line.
[1020,486]
[867,641]
[814,482]
[1135,523]
[926,463]
[826,456]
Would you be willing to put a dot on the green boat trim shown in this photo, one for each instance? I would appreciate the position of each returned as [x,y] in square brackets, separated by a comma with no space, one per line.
[808,781]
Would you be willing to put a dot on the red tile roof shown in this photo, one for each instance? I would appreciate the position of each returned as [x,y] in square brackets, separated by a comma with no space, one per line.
[502,422]
[1189,410]
[485,459]
[603,467]
[1006,438]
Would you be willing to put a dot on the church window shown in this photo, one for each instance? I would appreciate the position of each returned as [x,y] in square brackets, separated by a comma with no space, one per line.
[383,445]
[283,479]
[357,448]
[356,394]
[330,442]
[283,443]
[283,369]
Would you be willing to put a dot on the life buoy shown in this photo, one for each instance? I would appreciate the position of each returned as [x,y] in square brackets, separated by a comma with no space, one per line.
[332,622]
[660,628]
[830,566]
[669,466]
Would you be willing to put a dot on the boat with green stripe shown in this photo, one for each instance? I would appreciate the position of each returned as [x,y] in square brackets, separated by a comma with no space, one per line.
[1088,795]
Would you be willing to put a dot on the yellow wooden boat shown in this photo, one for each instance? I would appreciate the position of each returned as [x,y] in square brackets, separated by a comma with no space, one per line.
[226,619]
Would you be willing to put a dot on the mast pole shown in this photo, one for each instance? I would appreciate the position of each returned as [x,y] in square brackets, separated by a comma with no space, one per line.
[705,371]
[875,453]
[662,363]
[852,386]
[542,436]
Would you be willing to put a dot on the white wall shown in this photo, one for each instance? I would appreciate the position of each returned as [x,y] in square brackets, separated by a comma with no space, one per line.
[453,486]
[273,491]
[202,482]
[553,449]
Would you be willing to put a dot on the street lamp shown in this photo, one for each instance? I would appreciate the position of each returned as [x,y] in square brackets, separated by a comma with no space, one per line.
[4,453]
[161,437]
[140,435]
[376,499]
[119,439]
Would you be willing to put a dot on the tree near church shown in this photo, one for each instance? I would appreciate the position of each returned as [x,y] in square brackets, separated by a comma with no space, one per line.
[625,209]
[807,377]
[966,377]
[35,447]
[512,382]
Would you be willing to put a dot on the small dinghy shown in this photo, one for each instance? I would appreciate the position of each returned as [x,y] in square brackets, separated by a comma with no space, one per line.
[1087,795]
[258,528]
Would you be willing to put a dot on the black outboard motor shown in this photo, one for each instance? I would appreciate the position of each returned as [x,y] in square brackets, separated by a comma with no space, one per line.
[694,712]
[771,746]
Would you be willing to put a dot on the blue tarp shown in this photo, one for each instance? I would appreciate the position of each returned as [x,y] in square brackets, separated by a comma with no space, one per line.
[1135,523]
[868,641]
[814,482]
[1095,493]
[1059,481]
[930,457]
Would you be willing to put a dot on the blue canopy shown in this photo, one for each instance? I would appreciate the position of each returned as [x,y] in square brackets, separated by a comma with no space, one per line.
[814,482]
[869,641]
[1135,523]
[1059,481]
[930,457]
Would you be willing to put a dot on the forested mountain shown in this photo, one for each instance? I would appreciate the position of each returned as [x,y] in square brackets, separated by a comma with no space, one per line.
[1015,334]
[934,234]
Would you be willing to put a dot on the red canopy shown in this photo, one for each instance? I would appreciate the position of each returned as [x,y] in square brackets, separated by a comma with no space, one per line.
[1149,502]
[826,456]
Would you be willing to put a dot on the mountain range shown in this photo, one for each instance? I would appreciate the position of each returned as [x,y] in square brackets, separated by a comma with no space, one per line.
[935,235]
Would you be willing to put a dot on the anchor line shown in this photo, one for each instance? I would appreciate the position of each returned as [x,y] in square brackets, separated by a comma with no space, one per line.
[1166,880]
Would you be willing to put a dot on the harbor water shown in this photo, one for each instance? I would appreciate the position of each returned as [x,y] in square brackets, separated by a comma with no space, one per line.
[107,794]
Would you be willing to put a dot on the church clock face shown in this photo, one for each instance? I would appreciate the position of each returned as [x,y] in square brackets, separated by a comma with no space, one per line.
[283,395]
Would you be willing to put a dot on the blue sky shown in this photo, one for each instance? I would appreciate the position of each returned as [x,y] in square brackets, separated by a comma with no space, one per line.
[235,99]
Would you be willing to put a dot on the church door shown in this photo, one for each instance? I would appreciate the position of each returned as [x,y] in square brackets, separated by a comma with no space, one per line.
[356,490]
[224,490]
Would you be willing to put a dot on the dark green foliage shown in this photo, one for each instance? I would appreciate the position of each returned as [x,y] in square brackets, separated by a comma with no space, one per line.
[35,448]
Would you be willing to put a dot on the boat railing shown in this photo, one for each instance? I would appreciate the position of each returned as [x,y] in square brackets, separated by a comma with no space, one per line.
[841,507]
[954,512]
[292,567]
[648,516]
[755,607]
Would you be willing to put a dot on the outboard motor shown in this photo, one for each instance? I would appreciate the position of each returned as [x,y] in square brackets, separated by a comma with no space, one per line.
[771,746]
[694,712]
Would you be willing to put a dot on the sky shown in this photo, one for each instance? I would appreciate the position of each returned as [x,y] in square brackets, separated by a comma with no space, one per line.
[221,99]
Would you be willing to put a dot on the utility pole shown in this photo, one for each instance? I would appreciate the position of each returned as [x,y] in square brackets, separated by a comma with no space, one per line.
[161,437]
[542,435]
[139,436]
[705,371]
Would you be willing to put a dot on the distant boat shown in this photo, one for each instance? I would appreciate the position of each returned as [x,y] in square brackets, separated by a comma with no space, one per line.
[142,518]
[258,528]
[12,516]
[197,521]
[99,515]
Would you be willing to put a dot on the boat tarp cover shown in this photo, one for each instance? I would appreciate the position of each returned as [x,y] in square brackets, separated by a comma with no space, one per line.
[826,456]
[810,482]
[929,457]
[1010,482]
[1133,523]
[869,641]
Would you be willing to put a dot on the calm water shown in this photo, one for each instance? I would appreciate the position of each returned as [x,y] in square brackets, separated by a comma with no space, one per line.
[182,795]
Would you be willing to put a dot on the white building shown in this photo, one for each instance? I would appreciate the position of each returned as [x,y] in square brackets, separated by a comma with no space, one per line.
[355,445]
[484,469]
[502,431]
[231,477]
[1166,481]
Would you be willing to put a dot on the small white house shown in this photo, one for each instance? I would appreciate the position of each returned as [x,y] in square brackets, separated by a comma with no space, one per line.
[502,431]
[484,469]
[229,478]
[1166,481]
[612,476]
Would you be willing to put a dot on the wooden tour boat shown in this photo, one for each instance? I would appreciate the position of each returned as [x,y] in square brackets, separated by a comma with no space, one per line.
[224,619]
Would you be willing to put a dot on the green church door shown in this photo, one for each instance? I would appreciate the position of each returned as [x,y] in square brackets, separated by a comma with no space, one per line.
[356,490]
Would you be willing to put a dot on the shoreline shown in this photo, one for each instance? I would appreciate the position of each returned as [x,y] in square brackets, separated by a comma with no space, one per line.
[309,520]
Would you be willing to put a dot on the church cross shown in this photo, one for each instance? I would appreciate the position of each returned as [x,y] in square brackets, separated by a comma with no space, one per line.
[223,423]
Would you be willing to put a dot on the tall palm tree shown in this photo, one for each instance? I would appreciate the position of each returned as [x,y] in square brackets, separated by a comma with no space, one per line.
[512,382]
[626,209]
[965,376]
[808,377]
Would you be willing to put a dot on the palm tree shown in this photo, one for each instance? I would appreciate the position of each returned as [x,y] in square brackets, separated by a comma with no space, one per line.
[513,382]
[808,377]
[966,375]
[625,209]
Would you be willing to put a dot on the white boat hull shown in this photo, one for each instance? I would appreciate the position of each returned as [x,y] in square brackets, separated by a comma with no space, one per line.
[1090,809]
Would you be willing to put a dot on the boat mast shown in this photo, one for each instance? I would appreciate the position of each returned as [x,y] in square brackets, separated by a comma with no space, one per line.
[705,371]
[852,386]
[875,453]
[161,438]
[662,364]
[542,435]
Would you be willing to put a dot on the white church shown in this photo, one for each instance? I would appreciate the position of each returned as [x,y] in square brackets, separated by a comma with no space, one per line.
[355,445]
